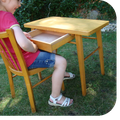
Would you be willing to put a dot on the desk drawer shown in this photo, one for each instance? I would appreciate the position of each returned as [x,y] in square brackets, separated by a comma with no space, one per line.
[49,41]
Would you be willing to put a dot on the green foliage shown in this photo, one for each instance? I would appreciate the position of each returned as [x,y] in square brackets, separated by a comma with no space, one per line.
[37,9]
[62,8]
[31,10]
[102,6]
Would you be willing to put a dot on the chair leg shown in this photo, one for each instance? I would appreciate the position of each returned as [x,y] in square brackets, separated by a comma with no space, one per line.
[39,76]
[63,86]
[11,83]
[30,93]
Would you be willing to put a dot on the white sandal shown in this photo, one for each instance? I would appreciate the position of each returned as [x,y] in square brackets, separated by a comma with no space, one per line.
[69,77]
[66,102]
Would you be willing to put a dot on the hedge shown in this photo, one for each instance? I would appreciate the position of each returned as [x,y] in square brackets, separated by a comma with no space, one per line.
[36,9]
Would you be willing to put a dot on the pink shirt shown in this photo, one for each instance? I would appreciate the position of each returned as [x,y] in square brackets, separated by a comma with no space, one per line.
[7,20]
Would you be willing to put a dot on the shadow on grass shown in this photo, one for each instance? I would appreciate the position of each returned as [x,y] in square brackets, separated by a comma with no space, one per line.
[100,98]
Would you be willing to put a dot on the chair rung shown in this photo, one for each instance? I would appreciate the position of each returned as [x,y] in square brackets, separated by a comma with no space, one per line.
[14,76]
[41,81]
[91,53]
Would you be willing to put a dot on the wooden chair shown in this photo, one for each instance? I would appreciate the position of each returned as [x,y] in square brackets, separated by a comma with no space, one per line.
[13,72]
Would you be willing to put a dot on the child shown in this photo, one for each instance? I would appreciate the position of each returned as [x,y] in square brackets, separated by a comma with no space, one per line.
[35,58]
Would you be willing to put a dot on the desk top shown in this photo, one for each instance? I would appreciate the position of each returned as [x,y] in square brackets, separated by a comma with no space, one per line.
[68,25]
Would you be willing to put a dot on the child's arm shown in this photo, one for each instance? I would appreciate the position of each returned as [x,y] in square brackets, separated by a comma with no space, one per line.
[22,40]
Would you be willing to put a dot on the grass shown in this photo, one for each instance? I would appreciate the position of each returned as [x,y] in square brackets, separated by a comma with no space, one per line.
[101,90]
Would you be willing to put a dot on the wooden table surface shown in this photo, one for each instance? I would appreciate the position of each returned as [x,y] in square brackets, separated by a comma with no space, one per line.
[68,25]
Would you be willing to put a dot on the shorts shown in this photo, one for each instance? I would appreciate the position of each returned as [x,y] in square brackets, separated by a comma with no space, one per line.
[43,60]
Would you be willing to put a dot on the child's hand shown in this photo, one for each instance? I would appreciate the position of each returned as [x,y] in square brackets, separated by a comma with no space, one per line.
[27,35]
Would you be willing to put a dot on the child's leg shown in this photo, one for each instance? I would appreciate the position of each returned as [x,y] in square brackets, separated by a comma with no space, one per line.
[45,60]
[58,75]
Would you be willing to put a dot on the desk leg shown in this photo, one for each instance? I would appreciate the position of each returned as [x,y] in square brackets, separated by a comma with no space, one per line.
[99,40]
[79,45]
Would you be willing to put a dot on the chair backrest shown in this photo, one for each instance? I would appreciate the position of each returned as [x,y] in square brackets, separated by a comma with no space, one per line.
[4,50]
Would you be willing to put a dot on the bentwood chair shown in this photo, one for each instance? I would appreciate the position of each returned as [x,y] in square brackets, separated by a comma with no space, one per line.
[13,72]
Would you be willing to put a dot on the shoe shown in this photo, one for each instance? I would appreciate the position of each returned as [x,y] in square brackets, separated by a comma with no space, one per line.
[69,77]
[66,102]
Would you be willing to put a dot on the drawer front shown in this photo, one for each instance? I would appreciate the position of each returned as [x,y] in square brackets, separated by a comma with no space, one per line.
[43,46]
[50,45]
[62,42]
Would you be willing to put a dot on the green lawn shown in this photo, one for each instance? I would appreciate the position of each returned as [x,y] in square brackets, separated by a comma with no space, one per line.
[101,90]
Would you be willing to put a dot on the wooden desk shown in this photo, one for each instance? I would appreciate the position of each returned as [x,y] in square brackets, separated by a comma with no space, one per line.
[77,27]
